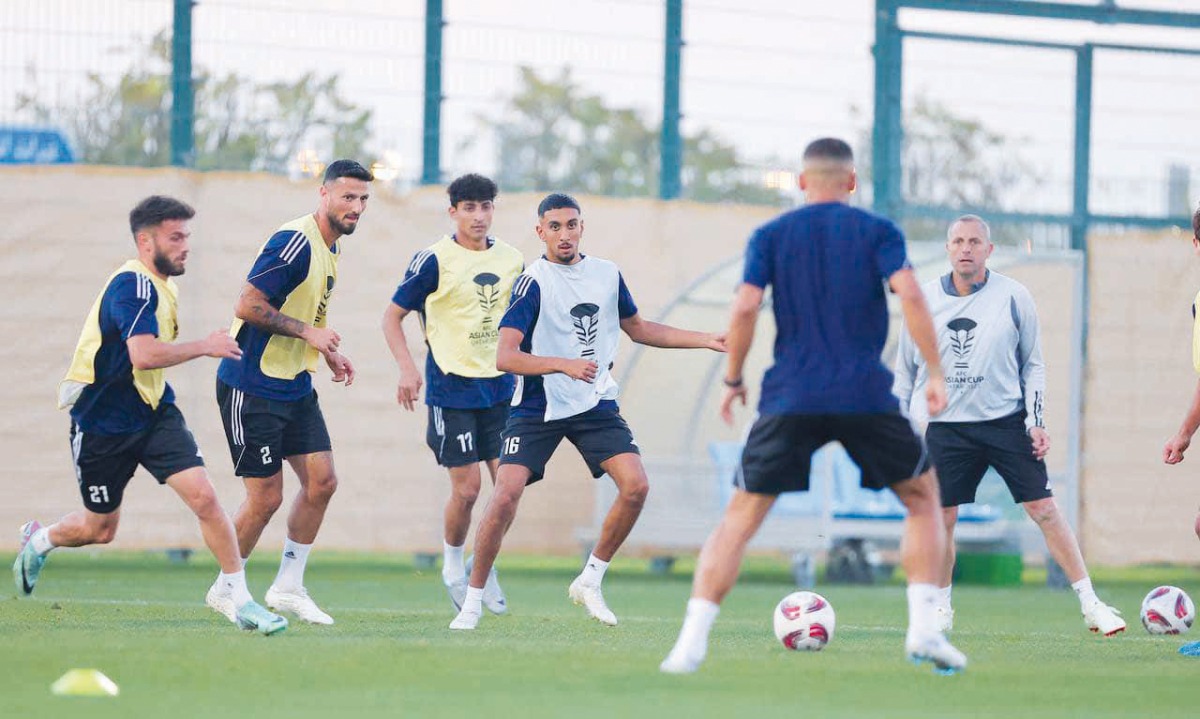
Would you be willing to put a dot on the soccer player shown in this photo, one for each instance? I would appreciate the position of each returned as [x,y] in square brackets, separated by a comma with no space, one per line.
[123,413]
[987,330]
[827,264]
[267,400]
[560,337]
[1177,445]
[459,286]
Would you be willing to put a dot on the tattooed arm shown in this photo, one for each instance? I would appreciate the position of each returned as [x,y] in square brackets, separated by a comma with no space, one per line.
[254,307]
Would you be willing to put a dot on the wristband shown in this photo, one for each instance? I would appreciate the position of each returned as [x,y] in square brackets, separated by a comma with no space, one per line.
[733,383]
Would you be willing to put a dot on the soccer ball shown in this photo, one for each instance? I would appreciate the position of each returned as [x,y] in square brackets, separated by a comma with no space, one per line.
[1167,610]
[804,621]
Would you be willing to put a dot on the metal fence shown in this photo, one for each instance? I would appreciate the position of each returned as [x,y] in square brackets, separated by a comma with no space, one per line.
[427,89]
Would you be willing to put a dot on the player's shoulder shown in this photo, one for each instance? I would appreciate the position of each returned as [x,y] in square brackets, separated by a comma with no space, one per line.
[935,286]
[598,267]
[1009,285]
[503,249]
[130,283]
[525,283]
[424,260]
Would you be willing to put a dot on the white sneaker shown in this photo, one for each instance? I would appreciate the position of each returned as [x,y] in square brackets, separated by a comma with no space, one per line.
[222,603]
[1103,619]
[457,589]
[297,602]
[493,595]
[680,662]
[590,596]
[945,619]
[466,619]
[935,649]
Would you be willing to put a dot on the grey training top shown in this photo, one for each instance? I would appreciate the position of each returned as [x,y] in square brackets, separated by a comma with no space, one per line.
[991,352]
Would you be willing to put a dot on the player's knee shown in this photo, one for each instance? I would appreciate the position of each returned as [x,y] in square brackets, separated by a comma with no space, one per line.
[104,533]
[467,494]
[634,493]
[205,504]
[321,489]
[266,502]
[1042,511]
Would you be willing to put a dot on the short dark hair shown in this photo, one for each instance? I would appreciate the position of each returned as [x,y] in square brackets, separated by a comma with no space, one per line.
[1196,223]
[347,168]
[829,148]
[557,201]
[472,187]
[157,209]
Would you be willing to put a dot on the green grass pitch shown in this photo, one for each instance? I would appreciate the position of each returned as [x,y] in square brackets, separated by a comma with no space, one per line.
[142,621]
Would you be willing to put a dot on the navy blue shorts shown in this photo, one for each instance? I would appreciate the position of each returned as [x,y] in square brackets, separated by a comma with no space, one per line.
[461,437]
[778,453]
[263,432]
[598,434]
[963,451]
[104,463]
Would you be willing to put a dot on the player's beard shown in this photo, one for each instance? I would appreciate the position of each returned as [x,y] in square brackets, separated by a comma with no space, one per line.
[165,266]
[341,227]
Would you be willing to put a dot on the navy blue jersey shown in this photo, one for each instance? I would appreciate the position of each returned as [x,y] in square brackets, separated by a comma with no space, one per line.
[111,404]
[281,266]
[827,266]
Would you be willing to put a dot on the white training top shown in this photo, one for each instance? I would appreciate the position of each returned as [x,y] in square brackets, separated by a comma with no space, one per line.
[990,349]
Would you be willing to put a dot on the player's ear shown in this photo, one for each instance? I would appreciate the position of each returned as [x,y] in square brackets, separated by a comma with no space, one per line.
[853,185]
[802,181]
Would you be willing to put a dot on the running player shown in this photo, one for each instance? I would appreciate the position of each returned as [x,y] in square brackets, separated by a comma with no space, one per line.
[560,337]
[267,400]
[123,413]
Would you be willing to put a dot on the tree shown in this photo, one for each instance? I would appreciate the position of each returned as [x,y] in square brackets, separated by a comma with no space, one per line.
[239,124]
[952,161]
[552,134]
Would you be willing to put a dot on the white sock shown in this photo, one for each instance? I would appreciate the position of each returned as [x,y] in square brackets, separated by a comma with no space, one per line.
[291,566]
[235,584]
[41,541]
[452,562]
[1083,590]
[944,596]
[922,608]
[697,623]
[593,571]
[473,603]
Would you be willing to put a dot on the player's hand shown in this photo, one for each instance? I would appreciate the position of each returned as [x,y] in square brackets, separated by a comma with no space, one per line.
[341,366]
[580,369]
[716,342]
[731,395]
[409,390]
[1175,447]
[935,394]
[1041,441]
[322,339]
[220,345]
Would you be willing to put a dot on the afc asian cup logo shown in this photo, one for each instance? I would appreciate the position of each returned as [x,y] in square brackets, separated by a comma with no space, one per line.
[587,323]
[488,294]
[962,339]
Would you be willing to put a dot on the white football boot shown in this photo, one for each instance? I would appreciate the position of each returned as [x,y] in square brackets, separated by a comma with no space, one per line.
[934,648]
[297,602]
[590,596]
[1103,619]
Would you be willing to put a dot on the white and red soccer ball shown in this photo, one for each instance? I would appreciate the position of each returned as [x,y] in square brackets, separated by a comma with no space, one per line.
[804,621]
[1167,610]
